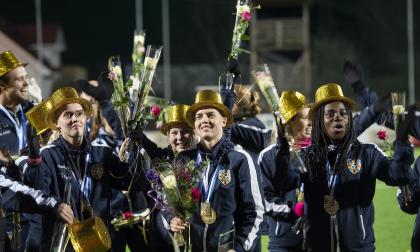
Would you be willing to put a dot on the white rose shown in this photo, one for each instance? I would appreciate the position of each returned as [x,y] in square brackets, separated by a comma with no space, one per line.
[150,63]
[243,8]
[397,109]
[117,70]
[169,182]
[139,39]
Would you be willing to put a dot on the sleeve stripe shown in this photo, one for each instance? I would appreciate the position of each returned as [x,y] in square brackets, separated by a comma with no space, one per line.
[268,148]
[256,195]
[36,195]
[254,128]
[277,208]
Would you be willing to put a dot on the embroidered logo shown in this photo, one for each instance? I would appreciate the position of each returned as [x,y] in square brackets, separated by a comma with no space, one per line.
[225,177]
[97,171]
[354,166]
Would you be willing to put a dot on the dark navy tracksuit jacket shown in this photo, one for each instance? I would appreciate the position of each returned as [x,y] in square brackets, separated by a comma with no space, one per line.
[56,168]
[354,192]
[279,205]
[238,203]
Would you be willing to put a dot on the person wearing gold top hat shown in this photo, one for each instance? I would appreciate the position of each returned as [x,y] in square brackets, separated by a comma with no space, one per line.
[29,200]
[14,96]
[231,207]
[182,141]
[282,208]
[91,169]
[340,183]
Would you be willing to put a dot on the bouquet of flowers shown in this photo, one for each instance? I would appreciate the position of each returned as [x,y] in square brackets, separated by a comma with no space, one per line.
[176,188]
[242,20]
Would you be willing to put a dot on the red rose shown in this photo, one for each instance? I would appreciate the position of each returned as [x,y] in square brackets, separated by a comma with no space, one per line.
[382,135]
[196,194]
[155,111]
[127,215]
[246,15]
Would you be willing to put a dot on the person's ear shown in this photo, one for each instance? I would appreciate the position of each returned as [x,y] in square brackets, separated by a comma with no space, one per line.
[224,122]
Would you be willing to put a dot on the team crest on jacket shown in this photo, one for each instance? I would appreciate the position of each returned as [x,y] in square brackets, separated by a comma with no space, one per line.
[224,176]
[354,166]
[97,171]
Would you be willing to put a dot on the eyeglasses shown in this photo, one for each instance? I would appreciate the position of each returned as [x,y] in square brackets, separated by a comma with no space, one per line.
[69,115]
[332,113]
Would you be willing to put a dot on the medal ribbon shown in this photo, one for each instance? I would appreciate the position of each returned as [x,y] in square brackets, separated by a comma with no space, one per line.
[85,183]
[208,191]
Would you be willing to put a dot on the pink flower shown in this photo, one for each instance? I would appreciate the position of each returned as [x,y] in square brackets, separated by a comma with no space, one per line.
[155,111]
[382,135]
[127,215]
[246,15]
[299,209]
[195,194]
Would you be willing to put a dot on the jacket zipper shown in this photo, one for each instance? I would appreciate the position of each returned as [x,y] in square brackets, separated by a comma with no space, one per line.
[363,226]
[205,238]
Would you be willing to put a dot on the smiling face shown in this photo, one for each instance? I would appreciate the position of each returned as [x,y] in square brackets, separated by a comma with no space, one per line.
[209,124]
[16,89]
[336,120]
[300,125]
[71,121]
[181,137]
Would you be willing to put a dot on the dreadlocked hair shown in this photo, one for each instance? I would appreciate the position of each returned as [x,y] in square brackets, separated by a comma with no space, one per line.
[317,155]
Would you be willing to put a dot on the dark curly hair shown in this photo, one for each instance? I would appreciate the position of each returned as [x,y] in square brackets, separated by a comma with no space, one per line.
[317,155]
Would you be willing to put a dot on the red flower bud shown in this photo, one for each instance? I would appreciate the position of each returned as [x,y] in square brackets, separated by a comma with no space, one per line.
[195,194]
[155,111]
[382,135]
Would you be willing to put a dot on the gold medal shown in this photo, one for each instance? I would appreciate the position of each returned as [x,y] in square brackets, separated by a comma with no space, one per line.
[331,206]
[207,213]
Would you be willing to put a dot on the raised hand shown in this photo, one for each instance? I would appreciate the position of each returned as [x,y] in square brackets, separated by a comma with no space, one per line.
[404,125]
[33,142]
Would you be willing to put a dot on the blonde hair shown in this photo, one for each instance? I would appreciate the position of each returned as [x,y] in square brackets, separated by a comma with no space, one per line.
[247,101]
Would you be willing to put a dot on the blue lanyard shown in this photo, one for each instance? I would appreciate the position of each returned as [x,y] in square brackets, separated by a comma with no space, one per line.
[332,178]
[86,184]
[208,190]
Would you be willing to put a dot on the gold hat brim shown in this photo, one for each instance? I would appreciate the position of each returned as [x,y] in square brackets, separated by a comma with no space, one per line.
[201,105]
[87,108]
[343,99]
[167,126]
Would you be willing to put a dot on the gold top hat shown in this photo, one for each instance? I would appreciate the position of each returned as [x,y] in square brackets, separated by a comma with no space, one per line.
[90,235]
[62,97]
[208,98]
[176,115]
[8,62]
[290,103]
[37,117]
[328,93]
